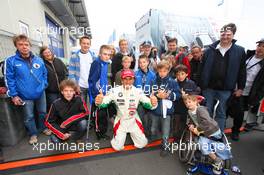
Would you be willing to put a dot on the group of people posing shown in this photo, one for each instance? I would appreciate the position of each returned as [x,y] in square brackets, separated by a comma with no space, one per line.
[139,94]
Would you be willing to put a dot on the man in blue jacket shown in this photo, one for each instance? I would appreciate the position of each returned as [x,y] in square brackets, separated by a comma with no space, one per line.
[223,68]
[98,83]
[26,80]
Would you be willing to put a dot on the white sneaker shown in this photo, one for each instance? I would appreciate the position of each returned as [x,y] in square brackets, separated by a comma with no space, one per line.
[47,132]
[217,167]
[33,139]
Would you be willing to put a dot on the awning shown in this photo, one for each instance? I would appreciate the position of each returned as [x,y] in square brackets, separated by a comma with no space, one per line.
[72,13]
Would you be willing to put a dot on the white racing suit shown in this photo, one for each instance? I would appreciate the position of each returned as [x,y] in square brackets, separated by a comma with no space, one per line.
[127,119]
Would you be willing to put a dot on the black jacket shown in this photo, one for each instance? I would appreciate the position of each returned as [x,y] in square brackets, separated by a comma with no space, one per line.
[257,90]
[57,72]
[66,113]
[235,71]
[195,70]
[117,64]
[189,87]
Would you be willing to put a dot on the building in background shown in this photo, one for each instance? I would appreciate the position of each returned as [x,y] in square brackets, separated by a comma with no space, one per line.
[56,23]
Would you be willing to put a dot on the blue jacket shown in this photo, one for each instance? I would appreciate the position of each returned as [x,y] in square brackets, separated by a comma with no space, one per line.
[98,78]
[169,85]
[74,65]
[144,80]
[236,70]
[24,79]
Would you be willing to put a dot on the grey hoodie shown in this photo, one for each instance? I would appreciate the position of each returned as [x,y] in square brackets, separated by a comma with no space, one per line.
[204,122]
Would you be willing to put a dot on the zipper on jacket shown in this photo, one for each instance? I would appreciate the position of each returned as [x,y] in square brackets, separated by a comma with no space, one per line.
[31,71]
[57,79]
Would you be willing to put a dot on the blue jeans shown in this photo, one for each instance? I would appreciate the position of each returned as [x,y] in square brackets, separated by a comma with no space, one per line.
[84,94]
[210,96]
[208,146]
[145,118]
[79,128]
[29,117]
[165,127]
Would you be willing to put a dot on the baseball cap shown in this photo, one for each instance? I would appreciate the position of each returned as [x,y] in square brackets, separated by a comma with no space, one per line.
[260,41]
[127,73]
[146,43]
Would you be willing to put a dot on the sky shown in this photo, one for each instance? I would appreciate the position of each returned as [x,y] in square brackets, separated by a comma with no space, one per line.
[121,15]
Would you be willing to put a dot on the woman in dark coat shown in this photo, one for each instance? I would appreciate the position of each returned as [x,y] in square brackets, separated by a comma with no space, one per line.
[57,72]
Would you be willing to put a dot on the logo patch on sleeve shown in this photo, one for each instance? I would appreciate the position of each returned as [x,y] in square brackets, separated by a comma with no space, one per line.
[36,65]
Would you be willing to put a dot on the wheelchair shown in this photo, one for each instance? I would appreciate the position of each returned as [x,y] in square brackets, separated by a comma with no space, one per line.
[198,162]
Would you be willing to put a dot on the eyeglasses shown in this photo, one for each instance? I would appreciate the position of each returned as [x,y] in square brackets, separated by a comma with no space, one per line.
[226,32]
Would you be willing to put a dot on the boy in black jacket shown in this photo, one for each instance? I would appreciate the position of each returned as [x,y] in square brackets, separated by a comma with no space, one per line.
[67,114]
[187,87]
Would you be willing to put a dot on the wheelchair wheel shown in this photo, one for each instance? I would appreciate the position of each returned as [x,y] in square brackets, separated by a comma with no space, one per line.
[186,146]
[225,140]
[227,164]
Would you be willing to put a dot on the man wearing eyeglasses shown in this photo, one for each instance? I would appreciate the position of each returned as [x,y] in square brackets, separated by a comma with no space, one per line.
[223,71]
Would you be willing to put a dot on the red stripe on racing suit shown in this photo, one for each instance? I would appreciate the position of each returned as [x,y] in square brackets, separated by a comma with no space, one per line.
[116,127]
[140,125]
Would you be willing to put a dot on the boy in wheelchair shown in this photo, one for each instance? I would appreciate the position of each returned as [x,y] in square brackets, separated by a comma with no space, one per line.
[209,134]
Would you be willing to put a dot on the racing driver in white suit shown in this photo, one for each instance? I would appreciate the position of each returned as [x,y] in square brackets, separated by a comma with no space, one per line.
[126,99]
